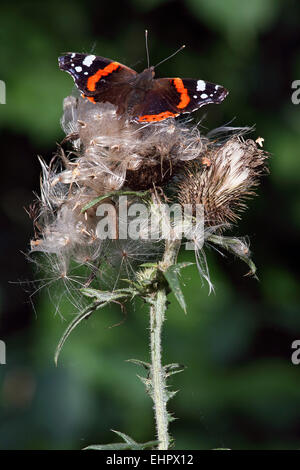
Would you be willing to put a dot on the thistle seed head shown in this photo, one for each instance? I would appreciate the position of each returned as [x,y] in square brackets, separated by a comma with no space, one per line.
[109,154]
[222,179]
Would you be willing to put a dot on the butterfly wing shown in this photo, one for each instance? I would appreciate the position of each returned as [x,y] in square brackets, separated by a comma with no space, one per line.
[170,97]
[99,79]
[197,93]
[104,80]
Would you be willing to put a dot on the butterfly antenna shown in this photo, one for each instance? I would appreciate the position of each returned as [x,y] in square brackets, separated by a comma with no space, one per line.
[147,50]
[172,55]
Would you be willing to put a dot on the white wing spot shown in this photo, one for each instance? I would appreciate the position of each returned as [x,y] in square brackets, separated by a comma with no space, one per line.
[204,95]
[73,55]
[89,60]
[72,65]
[86,73]
[78,68]
[201,85]
[195,96]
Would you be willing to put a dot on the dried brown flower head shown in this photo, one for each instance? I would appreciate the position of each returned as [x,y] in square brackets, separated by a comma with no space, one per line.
[222,179]
[109,154]
[113,153]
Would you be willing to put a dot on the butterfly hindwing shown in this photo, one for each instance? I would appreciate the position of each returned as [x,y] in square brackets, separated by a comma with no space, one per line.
[170,97]
[201,93]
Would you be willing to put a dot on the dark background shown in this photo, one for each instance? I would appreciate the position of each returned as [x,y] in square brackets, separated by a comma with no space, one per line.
[240,389]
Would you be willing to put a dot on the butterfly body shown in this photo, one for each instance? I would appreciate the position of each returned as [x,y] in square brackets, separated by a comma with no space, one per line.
[140,86]
[138,96]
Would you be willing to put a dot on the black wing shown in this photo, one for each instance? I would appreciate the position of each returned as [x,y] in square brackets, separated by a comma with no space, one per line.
[98,78]
[170,97]
[199,93]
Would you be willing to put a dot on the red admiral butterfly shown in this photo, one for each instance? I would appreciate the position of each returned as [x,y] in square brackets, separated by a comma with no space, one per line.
[138,95]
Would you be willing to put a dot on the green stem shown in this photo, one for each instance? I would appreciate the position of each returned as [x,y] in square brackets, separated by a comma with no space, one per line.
[158,374]
[158,379]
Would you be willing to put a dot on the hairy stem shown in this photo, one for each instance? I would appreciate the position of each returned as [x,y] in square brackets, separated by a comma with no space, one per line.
[158,375]
[157,316]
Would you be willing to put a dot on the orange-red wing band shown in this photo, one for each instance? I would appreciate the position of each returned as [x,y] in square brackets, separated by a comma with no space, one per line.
[157,117]
[89,98]
[91,83]
[184,96]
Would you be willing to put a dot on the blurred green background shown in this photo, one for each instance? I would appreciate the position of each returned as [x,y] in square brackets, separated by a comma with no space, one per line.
[240,389]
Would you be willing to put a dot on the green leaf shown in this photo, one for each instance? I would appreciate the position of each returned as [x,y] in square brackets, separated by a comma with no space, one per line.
[221,448]
[171,394]
[126,438]
[138,445]
[106,296]
[171,369]
[102,298]
[171,418]
[113,446]
[133,284]
[75,322]
[236,246]
[148,385]
[129,444]
[171,275]
[137,362]
[148,265]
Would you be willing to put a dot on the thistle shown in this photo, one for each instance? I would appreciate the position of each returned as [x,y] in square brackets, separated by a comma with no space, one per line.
[224,178]
[117,177]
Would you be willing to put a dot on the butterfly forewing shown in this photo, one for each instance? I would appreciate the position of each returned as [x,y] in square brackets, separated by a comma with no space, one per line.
[92,73]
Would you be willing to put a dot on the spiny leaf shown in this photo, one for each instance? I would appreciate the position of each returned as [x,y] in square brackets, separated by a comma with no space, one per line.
[237,247]
[148,384]
[221,448]
[172,441]
[126,438]
[106,296]
[75,322]
[251,266]
[112,446]
[171,394]
[174,284]
[103,298]
[128,444]
[133,284]
[148,265]
[177,267]
[137,362]
[147,445]
[171,418]
[171,275]
[174,368]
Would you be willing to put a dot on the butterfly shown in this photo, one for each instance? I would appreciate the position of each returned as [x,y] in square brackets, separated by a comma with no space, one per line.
[138,96]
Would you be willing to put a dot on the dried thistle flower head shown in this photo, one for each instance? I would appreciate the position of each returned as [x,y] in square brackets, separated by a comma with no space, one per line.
[114,152]
[224,177]
[110,154]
